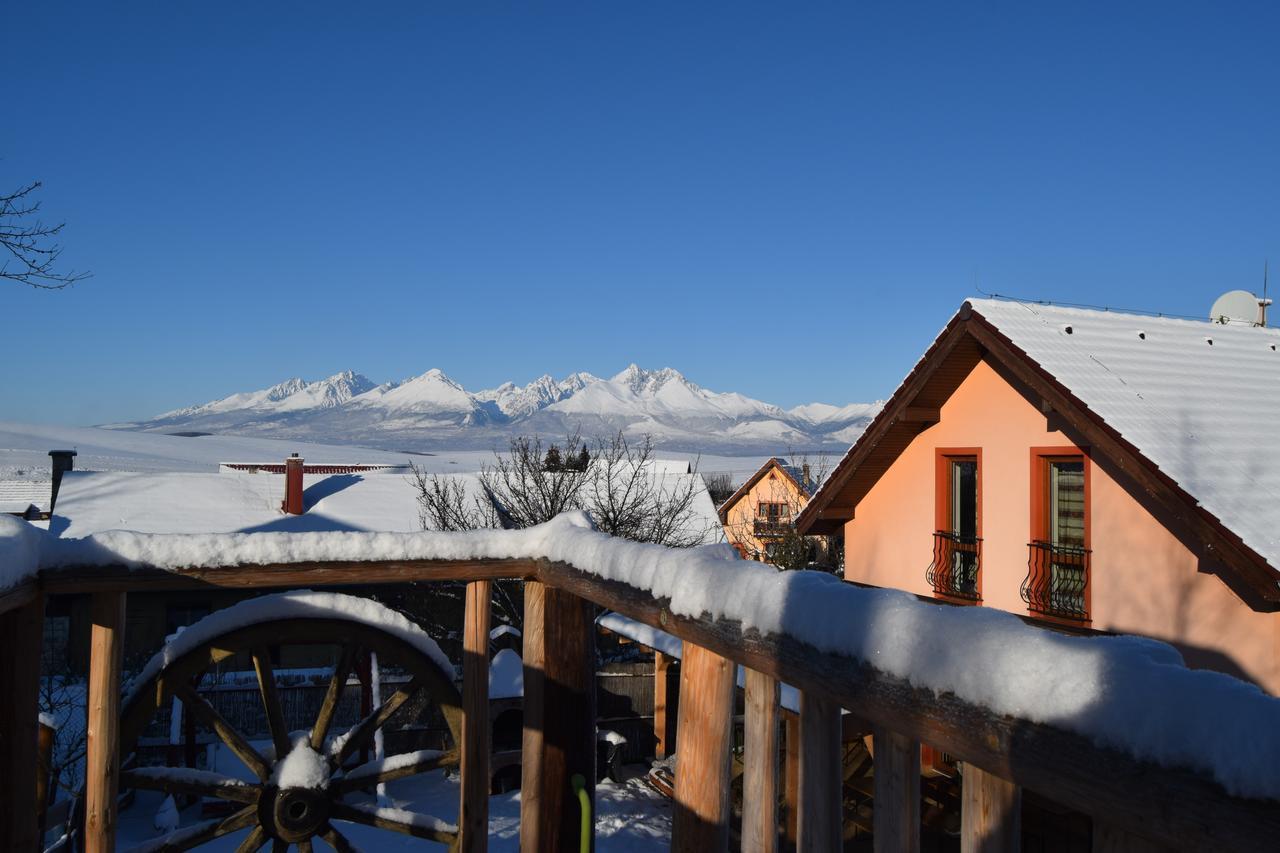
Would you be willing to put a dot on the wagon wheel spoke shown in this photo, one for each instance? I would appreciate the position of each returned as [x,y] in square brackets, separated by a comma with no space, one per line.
[279,845]
[393,767]
[256,839]
[271,701]
[184,781]
[197,834]
[336,840]
[232,738]
[397,820]
[304,846]
[362,732]
[324,719]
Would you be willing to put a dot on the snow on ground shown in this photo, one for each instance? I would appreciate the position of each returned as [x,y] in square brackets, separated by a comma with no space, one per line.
[24,452]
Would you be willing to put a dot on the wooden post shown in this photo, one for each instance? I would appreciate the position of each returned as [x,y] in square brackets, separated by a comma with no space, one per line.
[897,790]
[704,743]
[559,717]
[663,736]
[821,799]
[990,813]
[791,777]
[760,770]
[473,823]
[1108,839]
[21,634]
[102,755]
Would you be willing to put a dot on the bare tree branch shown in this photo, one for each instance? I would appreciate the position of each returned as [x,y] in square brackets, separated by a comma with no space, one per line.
[32,249]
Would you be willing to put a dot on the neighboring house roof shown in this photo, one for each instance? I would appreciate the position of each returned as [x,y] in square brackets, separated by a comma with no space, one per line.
[793,473]
[1189,408]
[19,496]
[96,501]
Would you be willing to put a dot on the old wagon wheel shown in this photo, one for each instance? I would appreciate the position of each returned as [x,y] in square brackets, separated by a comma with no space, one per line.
[304,779]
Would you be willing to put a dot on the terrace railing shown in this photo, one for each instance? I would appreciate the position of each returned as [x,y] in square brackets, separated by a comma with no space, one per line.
[1135,804]
[1057,580]
[766,527]
[957,562]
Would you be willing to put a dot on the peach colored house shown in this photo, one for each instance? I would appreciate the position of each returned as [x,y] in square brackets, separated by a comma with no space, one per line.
[764,508]
[1092,469]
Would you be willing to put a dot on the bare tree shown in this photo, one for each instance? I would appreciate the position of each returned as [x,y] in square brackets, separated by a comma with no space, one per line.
[526,490]
[31,245]
[627,497]
[443,503]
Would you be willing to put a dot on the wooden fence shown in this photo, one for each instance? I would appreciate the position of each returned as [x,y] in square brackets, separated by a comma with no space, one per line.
[1134,805]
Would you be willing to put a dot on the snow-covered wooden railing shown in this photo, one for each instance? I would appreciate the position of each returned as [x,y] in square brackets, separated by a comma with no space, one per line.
[1116,728]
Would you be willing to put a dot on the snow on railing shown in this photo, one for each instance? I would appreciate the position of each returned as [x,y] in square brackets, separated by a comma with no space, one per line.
[1128,693]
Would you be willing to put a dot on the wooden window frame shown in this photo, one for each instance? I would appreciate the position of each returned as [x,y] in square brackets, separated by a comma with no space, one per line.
[942,504]
[1040,459]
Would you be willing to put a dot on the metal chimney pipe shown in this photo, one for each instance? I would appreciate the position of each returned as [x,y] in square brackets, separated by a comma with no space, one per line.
[63,461]
[292,504]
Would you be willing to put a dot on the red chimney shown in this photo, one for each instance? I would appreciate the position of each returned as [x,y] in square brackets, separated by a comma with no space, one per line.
[293,485]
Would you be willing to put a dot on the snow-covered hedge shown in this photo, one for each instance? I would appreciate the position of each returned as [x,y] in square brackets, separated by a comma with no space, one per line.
[1124,692]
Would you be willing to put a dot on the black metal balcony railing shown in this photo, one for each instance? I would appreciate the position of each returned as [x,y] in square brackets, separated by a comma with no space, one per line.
[956,562]
[1056,580]
[772,526]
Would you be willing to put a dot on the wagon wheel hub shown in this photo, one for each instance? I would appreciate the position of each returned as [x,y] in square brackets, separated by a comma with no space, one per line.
[295,814]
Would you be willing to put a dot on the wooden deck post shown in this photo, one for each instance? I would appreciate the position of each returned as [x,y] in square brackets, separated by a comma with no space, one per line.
[821,808]
[897,793]
[473,823]
[990,813]
[559,717]
[663,735]
[791,777]
[704,743]
[21,634]
[102,751]
[760,770]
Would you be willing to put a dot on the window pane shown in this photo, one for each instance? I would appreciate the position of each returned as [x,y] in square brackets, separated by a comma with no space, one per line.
[964,497]
[1066,503]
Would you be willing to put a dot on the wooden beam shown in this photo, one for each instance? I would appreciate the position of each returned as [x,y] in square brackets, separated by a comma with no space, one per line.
[897,792]
[473,822]
[791,779]
[1171,805]
[21,634]
[920,415]
[559,702]
[19,595]
[1107,839]
[990,813]
[760,765]
[663,720]
[102,751]
[81,579]
[704,743]
[821,797]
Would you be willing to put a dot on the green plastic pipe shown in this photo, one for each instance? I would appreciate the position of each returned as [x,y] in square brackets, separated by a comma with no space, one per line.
[584,800]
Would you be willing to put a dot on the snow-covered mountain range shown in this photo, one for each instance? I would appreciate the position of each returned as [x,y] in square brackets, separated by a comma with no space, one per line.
[432,411]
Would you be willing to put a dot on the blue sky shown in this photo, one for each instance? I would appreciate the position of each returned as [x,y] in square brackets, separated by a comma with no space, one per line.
[786,200]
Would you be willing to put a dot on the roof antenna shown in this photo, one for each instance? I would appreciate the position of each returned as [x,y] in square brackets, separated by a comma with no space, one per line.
[1264,301]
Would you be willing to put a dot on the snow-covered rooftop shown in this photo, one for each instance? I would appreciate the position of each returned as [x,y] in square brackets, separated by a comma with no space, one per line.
[1200,400]
[21,495]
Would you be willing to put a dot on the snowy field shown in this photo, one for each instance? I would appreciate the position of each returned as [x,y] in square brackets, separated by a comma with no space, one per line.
[24,452]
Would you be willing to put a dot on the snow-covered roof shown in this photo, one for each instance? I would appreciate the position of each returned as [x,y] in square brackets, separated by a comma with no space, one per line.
[95,501]
[1200,400]
[92,502]
[21,495]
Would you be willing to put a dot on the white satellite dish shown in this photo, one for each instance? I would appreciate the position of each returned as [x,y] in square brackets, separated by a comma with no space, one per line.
[1235,306]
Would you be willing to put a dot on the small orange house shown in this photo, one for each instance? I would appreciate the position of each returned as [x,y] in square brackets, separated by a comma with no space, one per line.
[1093,469]
[764,508]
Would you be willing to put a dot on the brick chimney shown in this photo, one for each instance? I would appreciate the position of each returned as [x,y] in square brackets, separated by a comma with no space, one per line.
[293,485]
[63,461]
